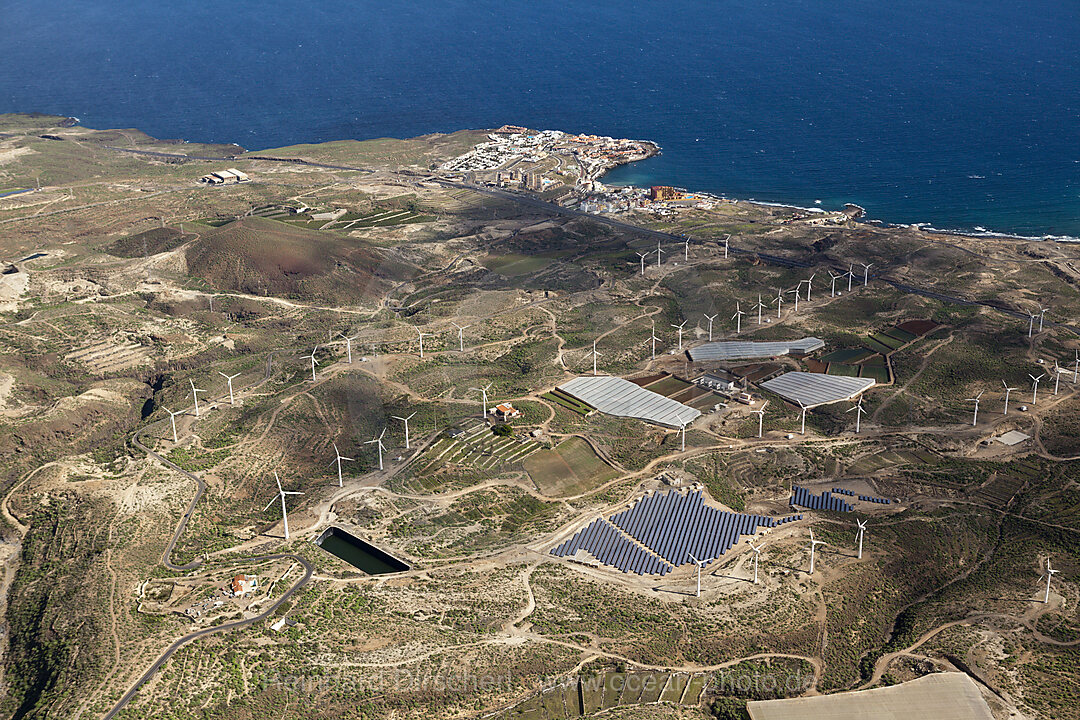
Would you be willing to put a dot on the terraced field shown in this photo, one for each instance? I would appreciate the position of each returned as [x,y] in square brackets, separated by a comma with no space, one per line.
[109,356]
[480,448]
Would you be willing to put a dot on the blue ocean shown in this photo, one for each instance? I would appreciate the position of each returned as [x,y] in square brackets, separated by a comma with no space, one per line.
[956,113]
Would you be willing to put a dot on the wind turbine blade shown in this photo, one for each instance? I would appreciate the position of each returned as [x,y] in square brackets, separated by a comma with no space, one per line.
[291,492]
[272,500]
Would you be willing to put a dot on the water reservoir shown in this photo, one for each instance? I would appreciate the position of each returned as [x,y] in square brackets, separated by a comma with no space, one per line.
[358,553]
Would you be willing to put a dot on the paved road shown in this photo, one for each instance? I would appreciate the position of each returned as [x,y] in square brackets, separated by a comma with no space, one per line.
[232,158]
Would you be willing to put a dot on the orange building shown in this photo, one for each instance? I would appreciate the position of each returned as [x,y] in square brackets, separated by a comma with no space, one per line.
[663,192]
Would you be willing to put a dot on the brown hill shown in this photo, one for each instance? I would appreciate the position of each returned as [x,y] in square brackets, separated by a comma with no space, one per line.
[266,257]
[149,242]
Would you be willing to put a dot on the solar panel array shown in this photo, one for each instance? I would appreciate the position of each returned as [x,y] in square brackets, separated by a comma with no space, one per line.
[611,547]
[824,501]
[749,350]
[842,491]
[789,518]
[871,498]
[668,528]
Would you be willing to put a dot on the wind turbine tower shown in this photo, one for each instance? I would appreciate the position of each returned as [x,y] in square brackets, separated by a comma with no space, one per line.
[1050,572]
[804,408]
[195,394]
[1057,376]
[406,421]
[760,418]
[282,493]
[796,291]
[348,345]
[659,252]
[643,256]
[1007,391]
[1035,386]
[686,248]
[757,557]
[726,239]
[421,336]
[858,415]
[483,391]
[595,355]
[338,458]
[314,362]
[679,327]
[699,566]
[378,443]
[172,417]
[850,275]
[975,417]
[710,318]
[832,292]
[779,301]
[866,272]
[813,547]
[229,379]
[862,531]
[1042,314]
[461,336]
[654,339]
[1031,324]
[759,307]
[737,317]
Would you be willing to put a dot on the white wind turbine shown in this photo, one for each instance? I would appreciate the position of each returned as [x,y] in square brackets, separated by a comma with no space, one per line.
[314,362]
[813,547]
[809,282]
[779,301]
[461,335]
[1050,572]
[1057,376]
[832,292]
[659,252]
[686,248]
[679,327]
[406,421]
[643,256]
[421,336]
[338,457]
[796,291]
[850,275]
[282,493]
[229,379]
[858,415]
[378,442]
[710,318]
[866,272]
[726,239]
[759,307]
[654,339]
[761,417]
[757,557]
[862,530]
[595,355]
[1035,386]
[804,409]
[699,566]
[1031,324]
[737,317]
[172,417]
[195,394]
[1042,314]
[483,391]
[348,345]
[1007,391]
[975,417]
[682,424]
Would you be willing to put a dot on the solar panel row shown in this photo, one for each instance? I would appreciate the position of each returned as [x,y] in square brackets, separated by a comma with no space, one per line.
[871,498]
[824,501]
[676,526]
[612,548]
[842,491]
[789,518]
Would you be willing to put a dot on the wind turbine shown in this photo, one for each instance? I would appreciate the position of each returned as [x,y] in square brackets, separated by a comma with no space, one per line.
[421,335]
[643,256]
[866,272]
[804,409]
[975,417]
[686,248]
[726,239]
[654,339]
[229,379]
[1007,391]
[682,424]
[850,275]
[1050,572]
[858,415]
[406,421]
[757,557]
[484,391]
[710,318]
[809,282]
[595,355]
[737,317]
[813,546]
[195,394]
[314,362]
[1031,324]
[282,493]
[378,441]
[679,327]
[211,299]
[1057,376]
[1042,314]
[338,458]
[348,345]
[1035,386]
[172,417]
[461,335]
[759,307]
[699,566]
[779,301]
[862,530]
[659,251]
[796,291]
[832,293]
[761,417]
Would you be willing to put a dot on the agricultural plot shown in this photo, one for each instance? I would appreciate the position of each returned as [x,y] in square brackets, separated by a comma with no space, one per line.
[514,265]
[109,356]
[572,468]
[480,448]
[568,401]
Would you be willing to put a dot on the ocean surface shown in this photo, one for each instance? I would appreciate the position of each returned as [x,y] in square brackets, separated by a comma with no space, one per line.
[956,113]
